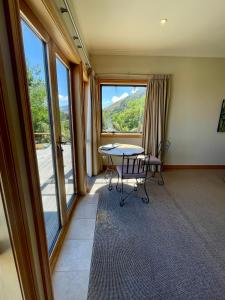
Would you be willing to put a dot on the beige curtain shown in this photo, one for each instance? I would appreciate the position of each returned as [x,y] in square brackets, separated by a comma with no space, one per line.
[89,130]
[79,113]
[96,160]
[156,112]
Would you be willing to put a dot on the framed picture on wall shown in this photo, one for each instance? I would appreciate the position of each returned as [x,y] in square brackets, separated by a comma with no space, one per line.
[221,124]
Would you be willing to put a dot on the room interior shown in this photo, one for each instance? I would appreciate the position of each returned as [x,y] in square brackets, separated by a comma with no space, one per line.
[112,149]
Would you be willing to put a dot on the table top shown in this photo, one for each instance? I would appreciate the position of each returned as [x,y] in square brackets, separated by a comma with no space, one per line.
[120,149]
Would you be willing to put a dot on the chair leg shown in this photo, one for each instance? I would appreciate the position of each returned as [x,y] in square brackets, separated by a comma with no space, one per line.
[110,187]
[122,200]
[117,185]
[154,171]
[136,186]
[160,182]
[145,200]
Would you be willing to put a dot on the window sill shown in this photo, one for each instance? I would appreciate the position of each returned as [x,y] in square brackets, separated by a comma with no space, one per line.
[121,135]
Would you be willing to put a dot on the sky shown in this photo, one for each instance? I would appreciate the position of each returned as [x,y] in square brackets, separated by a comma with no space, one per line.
[62,75]
[34,54]
[112,94]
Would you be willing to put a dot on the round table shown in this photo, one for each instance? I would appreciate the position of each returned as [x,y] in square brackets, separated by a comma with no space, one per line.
[120,149]
[117,150]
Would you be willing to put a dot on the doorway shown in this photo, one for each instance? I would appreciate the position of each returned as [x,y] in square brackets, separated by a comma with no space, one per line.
[51,118]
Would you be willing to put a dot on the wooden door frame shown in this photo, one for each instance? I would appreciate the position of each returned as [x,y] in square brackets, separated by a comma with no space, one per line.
[56,127]
[30,14]
[30,280]
[14,210]
[57,54]
[39,282]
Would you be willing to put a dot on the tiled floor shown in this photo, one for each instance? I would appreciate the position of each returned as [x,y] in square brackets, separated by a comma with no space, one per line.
[71,275]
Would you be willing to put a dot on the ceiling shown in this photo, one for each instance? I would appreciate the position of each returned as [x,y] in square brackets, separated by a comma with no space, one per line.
[195,28]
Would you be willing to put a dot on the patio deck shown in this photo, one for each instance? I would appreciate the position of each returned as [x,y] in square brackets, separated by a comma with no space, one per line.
[49,190]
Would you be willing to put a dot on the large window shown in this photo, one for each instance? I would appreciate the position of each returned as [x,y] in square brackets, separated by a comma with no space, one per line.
[122,108]
[65,128]
[40,103]
[52,129]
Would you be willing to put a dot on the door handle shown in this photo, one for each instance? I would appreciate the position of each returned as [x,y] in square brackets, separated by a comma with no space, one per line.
[59,146]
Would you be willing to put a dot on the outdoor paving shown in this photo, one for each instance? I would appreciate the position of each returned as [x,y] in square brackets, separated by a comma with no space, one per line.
[49,189]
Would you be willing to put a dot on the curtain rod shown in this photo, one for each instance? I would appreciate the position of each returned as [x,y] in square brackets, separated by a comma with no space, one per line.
[130,74]
[122,74]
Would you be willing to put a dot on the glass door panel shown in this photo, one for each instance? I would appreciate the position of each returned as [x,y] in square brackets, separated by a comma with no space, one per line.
[66,129]
[37,74]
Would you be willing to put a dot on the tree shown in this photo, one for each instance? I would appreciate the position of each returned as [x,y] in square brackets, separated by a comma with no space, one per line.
[65,125]
[126,116]
[39,104]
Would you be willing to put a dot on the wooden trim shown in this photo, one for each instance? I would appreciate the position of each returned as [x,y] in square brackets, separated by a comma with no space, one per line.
[44,19]
[56,53]
[14,210]
[194,167]
[114,82]
[19,71]
[57,130]
[46,13]
[20,79]
[122,135]
[85,75]
[33,21]
[61,56]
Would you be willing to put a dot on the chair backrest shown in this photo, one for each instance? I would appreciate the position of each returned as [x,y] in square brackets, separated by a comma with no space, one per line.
[133,164]
[163,147]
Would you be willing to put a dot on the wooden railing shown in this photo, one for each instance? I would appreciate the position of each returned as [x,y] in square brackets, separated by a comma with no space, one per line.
[39,142]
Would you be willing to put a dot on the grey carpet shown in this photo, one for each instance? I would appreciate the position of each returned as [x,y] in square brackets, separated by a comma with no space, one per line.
[151,251]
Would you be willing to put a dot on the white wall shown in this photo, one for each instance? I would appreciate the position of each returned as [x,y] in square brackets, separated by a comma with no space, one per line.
[198,87]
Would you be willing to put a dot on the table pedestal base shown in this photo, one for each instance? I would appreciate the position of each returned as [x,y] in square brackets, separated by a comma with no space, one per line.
[109,172]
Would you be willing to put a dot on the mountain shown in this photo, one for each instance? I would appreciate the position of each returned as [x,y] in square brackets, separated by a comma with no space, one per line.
[122,104]
[125,115]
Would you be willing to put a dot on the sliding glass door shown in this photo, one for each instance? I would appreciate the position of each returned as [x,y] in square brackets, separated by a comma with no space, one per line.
[38,83]
[46,127]
[64,105]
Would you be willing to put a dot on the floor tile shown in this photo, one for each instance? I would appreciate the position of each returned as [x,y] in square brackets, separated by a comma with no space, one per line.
[81,229]
[71,285]
[90,198]
[85,203]
[86,211]
[71,275]
[75,255]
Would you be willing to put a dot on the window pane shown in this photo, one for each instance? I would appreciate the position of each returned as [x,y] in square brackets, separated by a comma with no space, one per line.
[35,54]
[122,108]
[65,124]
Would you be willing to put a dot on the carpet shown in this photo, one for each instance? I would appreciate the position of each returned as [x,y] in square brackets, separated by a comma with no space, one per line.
[150,251]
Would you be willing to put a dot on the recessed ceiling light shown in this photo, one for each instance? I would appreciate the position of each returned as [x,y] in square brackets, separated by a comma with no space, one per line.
[163,21]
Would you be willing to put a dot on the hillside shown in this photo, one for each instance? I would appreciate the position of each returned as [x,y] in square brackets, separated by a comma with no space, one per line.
[125,115]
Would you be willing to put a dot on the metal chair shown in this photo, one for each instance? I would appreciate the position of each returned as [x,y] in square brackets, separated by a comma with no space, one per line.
[133,168]
[156,162]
